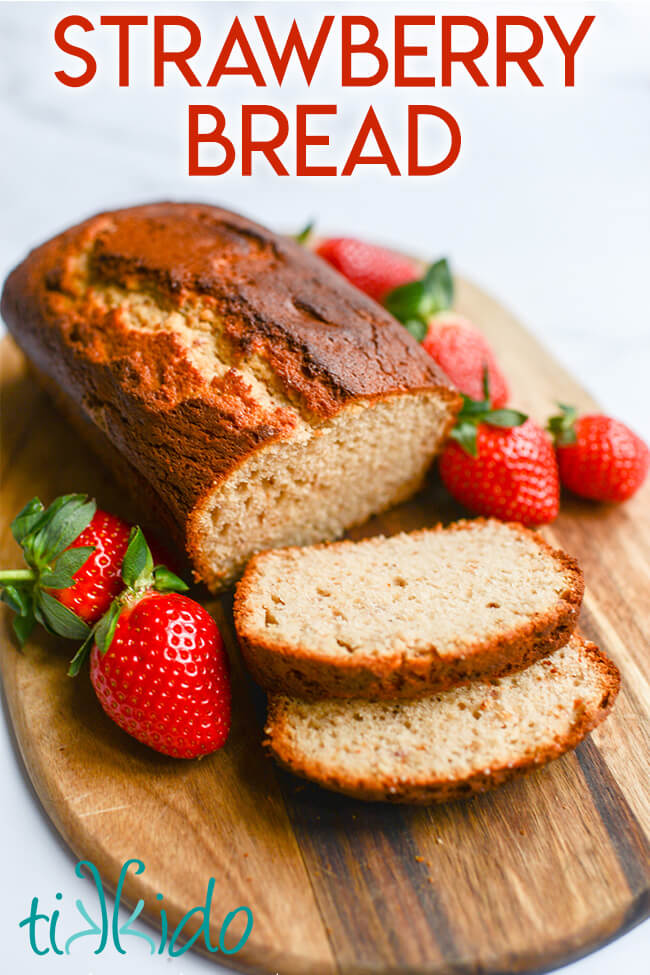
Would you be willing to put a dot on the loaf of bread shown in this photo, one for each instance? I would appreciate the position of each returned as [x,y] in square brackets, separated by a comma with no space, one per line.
[402,616]
[452,744]
[246,393]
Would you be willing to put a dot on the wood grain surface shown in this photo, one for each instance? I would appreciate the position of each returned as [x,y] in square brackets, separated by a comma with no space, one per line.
[522,879]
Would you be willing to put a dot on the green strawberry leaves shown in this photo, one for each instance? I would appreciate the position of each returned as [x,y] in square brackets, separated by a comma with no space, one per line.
[167,581]
[16,599]
[63,528]
[138,563]
[407,302]
[138,571]
[417,329]
[27,519]
[44,535]
[464,433]
[562,426]
[415,303]
[20,601]
[139,576]
[23,626]
[81,655]
[475,412]
[106,627]
[57,618]
[304,235]
[69,562]
[505,418]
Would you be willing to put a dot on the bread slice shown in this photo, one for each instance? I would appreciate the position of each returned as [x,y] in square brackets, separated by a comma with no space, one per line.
[402,616]
[451,744]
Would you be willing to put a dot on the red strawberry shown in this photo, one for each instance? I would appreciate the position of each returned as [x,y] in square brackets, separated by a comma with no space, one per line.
[157,662]
[99,580]
[463,353]
[599,458]
[374,270]
[164,678]
[501,464]
[459,348]
[74,552]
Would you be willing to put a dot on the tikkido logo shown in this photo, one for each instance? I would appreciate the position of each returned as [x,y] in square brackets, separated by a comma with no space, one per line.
[44,935]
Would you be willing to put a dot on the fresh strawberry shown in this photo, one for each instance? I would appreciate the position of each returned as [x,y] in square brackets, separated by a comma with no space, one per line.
[459,348]
[463,352]
[99,580]
[74,553]
[598,457]
[374,270]
[501,464]
[157,662]
[49,539]
[164,678]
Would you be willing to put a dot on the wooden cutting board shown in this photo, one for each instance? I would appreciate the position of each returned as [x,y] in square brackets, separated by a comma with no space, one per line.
[541,871]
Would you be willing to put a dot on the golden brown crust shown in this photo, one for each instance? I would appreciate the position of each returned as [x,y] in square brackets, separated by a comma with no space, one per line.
[153,513]
[324,343]
[423,791]
[299,672]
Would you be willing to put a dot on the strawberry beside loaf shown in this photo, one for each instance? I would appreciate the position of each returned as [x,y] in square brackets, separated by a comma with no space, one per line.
[246,393]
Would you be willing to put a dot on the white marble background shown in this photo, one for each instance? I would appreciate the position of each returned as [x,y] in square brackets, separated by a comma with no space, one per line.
[548,208]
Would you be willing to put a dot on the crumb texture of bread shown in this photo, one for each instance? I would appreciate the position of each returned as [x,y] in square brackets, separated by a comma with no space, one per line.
[313,487]
[400,616]
[451,744]
[240,376]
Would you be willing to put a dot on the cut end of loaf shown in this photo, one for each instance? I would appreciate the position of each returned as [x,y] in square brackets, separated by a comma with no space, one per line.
[324,480]
[452,744]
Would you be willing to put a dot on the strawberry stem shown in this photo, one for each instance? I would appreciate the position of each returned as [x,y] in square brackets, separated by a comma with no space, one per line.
[562,426]
[16,575]
[303,235]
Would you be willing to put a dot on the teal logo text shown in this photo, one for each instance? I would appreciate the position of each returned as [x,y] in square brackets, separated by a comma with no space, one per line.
[102,928]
